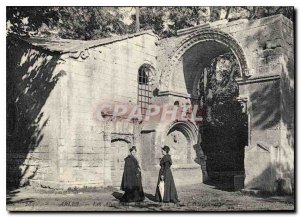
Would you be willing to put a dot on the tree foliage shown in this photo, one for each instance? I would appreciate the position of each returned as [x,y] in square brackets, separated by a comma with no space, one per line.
[222,91]
[24,21]
[89,22]
[98,22]
[83,23]
[166,21]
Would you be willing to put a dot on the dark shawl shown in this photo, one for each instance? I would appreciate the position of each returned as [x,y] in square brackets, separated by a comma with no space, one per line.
[132,176]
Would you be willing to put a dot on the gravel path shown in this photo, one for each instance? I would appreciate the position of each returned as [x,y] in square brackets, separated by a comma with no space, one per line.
[193,198]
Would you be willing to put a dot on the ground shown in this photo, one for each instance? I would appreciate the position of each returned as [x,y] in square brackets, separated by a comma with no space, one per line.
[198,197]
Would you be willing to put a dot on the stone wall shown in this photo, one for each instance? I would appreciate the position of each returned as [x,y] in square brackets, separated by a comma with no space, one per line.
[108,74]
[33,113]
[267,86]
[54,98]
[270,93]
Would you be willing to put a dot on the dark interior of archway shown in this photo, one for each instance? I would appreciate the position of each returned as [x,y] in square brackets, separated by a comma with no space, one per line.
[223,143]
[199,56]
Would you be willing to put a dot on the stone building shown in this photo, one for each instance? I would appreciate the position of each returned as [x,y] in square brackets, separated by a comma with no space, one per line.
[55,86]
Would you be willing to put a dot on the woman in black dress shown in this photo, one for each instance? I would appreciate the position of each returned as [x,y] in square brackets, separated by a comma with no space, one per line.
[132,179]
[165,174]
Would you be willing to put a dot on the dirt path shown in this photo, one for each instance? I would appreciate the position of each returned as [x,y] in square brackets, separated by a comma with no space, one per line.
[193,198]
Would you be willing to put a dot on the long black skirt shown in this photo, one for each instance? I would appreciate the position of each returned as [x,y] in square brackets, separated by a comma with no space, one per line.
[133,195]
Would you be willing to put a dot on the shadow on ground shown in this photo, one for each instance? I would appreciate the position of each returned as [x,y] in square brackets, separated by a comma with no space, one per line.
[13,193]
[223,186]
[117,195]
[150,197]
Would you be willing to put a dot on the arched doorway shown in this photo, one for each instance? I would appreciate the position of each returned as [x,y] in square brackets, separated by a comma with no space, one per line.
[181,137]
[188,74]
[120,150]
[222,41]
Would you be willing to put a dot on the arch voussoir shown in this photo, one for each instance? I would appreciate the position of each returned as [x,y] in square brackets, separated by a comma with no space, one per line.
[200,37]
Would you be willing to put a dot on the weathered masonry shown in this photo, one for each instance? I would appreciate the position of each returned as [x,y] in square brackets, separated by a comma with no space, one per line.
[55,86]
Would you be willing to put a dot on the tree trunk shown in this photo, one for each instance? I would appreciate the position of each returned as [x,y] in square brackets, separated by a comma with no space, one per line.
[137,19]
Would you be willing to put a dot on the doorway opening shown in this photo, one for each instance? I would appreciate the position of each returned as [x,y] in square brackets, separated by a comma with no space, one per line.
[210,71]
[119,151]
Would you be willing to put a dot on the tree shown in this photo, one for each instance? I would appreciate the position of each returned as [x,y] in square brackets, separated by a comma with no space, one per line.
[149,18]
[225,132]
[26,21]
[89,22]
[98,22]
[166,21]
[66,22]
[222,90]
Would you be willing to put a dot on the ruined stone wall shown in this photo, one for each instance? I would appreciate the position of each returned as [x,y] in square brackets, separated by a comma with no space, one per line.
[34,130]
[54,137]
[287,82]
[261,41]
[264,133]
[109,73]
[59,143]
[267,44]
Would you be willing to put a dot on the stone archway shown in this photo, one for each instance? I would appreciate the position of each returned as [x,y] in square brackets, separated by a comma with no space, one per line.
[181,137]
[119,150]
[201,36]
[187,65]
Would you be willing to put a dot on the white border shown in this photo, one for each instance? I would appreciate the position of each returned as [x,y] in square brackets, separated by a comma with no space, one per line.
[5,3]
